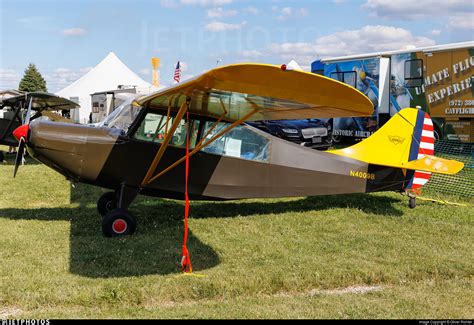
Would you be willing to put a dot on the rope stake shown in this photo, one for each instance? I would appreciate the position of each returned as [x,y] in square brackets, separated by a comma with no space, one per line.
[186,265]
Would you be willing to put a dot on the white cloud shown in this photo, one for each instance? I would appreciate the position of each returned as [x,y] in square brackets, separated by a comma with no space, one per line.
[145,71]
[436,32]
[452,15]
[462,20]
[62,77]
[364,40]
[419,9]
[286,13]
[9,78]
[74,32]
[202,3]
[184,66]
[217,26]
[55,79]
[220,13]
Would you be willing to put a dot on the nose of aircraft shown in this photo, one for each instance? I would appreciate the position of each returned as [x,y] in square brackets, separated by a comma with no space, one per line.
[76,151]
[21,132]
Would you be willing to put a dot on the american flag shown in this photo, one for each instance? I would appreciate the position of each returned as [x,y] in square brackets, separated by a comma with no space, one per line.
[177,73]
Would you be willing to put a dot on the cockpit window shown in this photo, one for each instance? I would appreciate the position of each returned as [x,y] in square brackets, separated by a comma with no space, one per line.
[241,142]
[155,126]
[122,117]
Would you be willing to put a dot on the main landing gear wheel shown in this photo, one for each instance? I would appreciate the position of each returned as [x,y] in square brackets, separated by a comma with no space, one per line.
[412,203]
[106,203]
[119,223]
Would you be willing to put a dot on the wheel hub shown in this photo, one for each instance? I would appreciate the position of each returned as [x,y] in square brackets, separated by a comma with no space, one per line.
[119,226]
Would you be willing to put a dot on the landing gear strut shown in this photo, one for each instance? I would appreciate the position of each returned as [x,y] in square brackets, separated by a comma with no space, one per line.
[117,221]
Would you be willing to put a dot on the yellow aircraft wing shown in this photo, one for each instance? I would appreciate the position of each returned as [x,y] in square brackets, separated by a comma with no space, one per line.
[232,92]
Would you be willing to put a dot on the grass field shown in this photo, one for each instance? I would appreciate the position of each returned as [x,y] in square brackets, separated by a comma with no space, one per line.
[352,256]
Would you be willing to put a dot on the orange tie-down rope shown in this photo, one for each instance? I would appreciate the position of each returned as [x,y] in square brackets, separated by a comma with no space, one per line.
[186,265]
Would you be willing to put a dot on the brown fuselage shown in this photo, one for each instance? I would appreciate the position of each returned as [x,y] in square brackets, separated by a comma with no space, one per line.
[105,158]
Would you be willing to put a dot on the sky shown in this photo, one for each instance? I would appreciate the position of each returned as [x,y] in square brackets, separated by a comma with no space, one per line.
[66,38]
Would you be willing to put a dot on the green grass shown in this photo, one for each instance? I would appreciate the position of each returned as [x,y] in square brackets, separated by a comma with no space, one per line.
[286,258]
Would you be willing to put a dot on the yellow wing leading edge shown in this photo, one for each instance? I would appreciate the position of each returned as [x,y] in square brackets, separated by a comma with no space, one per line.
[231,92]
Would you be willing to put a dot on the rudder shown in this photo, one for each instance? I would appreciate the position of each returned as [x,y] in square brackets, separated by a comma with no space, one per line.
[422,145]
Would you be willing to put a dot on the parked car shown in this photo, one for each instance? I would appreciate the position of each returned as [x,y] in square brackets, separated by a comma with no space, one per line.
[313,133]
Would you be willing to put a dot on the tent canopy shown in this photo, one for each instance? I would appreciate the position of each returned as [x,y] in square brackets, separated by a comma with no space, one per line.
[110,73]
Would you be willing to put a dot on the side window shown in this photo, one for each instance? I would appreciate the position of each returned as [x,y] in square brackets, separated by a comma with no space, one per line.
[154,127]
[240,142]
[347,77]
[413,73]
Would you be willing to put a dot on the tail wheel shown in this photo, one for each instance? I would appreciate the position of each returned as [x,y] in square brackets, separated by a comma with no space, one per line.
[106,203]
[412,203]
[118,223]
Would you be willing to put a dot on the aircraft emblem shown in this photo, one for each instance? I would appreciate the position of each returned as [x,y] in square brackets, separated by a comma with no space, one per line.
[395,139]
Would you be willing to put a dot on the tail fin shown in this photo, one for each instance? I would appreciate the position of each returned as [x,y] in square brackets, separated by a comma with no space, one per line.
[422,146]
[406,141]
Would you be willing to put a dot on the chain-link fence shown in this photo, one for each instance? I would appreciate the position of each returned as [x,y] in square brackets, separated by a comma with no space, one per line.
[461,184]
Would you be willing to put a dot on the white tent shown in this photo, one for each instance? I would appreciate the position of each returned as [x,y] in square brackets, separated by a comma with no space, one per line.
[109,74]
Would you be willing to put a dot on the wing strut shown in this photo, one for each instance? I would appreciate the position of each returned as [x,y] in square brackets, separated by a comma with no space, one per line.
[199,147]
[182,110]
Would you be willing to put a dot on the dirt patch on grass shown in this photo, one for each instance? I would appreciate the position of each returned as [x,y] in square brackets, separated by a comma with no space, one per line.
[332,292]
[349,290]
[9,312]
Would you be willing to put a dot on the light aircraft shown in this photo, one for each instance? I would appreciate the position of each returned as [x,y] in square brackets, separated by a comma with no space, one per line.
[38,103]
[147,145]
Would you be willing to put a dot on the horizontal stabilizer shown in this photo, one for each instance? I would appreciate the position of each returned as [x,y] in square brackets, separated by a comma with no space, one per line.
[435,165]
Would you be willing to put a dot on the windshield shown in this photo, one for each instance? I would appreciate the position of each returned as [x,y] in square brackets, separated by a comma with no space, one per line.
[122,117]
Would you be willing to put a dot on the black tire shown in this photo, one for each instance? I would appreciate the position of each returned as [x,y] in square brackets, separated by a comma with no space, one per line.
[106,203]
[412,203]
[118,223]
[2,157]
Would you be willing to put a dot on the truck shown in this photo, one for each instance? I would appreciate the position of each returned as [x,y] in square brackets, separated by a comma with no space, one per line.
[104,102]
[436,79]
